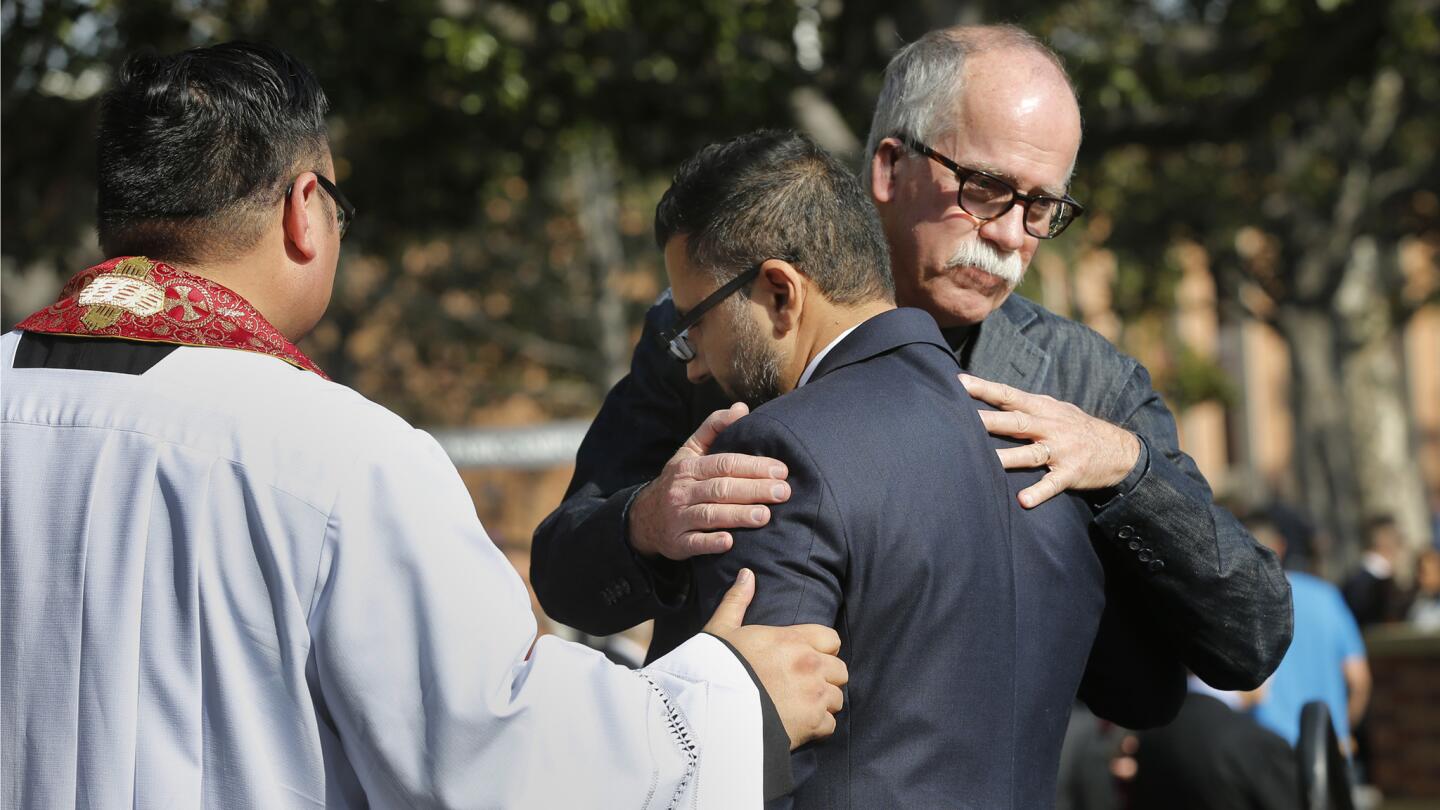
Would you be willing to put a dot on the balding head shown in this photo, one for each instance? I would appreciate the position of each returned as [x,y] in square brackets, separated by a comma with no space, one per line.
[929,79]
[986,102]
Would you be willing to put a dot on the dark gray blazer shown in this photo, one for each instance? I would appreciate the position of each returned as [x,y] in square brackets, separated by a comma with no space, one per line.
[1224,598]
[965,632]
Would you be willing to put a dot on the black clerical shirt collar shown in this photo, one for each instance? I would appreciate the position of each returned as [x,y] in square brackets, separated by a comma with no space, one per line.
[961,340]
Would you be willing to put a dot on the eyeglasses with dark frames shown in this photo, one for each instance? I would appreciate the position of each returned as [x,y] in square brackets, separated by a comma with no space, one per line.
[984,196]
[344,210]
[676,339]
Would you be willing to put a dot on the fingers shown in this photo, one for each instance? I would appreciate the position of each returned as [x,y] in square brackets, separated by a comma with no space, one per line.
[823,702]
[730,613]
[1018,424]
[699,443]
[694,543]
[826,726]
[798,669]
[736,465]
[834,671]
[710,516]
[1025,457]
[686,510]
[818,725]
[1043,490]
[1083,452]
[997,394]
[823,639]
[742,490]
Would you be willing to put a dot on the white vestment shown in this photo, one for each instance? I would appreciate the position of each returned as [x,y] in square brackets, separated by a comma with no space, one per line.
[230,583]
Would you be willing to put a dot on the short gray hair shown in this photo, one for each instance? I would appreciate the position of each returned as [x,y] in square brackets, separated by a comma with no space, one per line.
[922,82]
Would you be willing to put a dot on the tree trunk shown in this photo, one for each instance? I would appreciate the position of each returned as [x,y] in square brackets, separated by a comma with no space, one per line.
[1387,471]
[1355,447]
[1324,464]
[599,204]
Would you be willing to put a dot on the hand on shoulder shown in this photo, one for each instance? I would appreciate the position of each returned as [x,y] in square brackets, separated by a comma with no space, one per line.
[696,498]
[1081,451]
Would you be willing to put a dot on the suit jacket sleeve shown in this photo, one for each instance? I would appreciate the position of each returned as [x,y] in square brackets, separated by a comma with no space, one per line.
[582,566]
[1134,676]
[1223,592]
[799,557]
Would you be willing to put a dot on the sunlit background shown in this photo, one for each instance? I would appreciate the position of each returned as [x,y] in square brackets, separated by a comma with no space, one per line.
[1261,178]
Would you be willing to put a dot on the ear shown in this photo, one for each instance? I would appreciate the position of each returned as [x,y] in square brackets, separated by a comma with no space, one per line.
[781,289]
[300,231]
[882,169]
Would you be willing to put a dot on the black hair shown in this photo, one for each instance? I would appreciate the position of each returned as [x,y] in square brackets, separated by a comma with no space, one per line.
[1376,524]
[195,149]
[777,194]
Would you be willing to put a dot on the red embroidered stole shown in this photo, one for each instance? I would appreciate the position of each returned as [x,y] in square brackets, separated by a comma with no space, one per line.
[135,298]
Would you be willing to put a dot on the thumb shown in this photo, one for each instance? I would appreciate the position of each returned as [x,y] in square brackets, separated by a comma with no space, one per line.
[731,612]
[699,443]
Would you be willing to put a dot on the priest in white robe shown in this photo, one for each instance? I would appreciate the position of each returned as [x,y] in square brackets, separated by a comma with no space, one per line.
[230,582]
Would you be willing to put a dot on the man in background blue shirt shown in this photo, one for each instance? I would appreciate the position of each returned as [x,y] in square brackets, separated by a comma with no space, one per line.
[1326,660]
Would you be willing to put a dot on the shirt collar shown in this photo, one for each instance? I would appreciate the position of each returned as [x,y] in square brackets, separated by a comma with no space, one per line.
[1378,566]
[815,361]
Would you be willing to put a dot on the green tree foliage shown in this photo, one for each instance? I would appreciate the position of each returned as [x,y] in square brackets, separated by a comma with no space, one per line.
[1295,142]
[506,158]
[456,127]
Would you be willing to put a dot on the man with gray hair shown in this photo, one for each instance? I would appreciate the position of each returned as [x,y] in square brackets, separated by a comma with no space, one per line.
[965,623]
[969,157]
[970,152]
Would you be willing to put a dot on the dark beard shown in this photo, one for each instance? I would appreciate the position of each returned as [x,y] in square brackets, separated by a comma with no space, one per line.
[754,376]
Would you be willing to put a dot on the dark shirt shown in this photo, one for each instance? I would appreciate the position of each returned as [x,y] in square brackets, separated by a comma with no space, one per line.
[1214,758]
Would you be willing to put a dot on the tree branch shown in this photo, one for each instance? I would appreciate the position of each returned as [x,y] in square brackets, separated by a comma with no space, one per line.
[532,346]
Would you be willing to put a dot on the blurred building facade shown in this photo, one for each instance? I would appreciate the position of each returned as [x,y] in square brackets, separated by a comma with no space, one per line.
[1245,444]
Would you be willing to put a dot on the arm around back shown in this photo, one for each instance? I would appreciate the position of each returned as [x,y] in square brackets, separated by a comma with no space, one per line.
[647,493]
[1223,594]
[584,571]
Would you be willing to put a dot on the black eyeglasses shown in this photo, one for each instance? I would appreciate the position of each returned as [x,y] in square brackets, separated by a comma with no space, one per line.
[344,210]
[985,196]
[676,339]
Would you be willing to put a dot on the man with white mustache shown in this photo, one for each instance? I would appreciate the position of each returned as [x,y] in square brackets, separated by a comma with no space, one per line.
[979,255]
[968,162]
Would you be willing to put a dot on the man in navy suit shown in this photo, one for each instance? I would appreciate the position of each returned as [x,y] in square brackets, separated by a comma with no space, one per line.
[975,135]
[966,624]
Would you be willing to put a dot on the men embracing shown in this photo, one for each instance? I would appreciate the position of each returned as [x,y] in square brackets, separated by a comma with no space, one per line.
[1114,532]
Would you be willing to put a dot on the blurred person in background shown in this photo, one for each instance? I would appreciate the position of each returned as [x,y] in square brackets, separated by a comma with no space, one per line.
[226,581]
[1371,590]
[1305,546]
[970,153]
[1424,614]
[1326,660]
[1214,756]
[1092,762]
